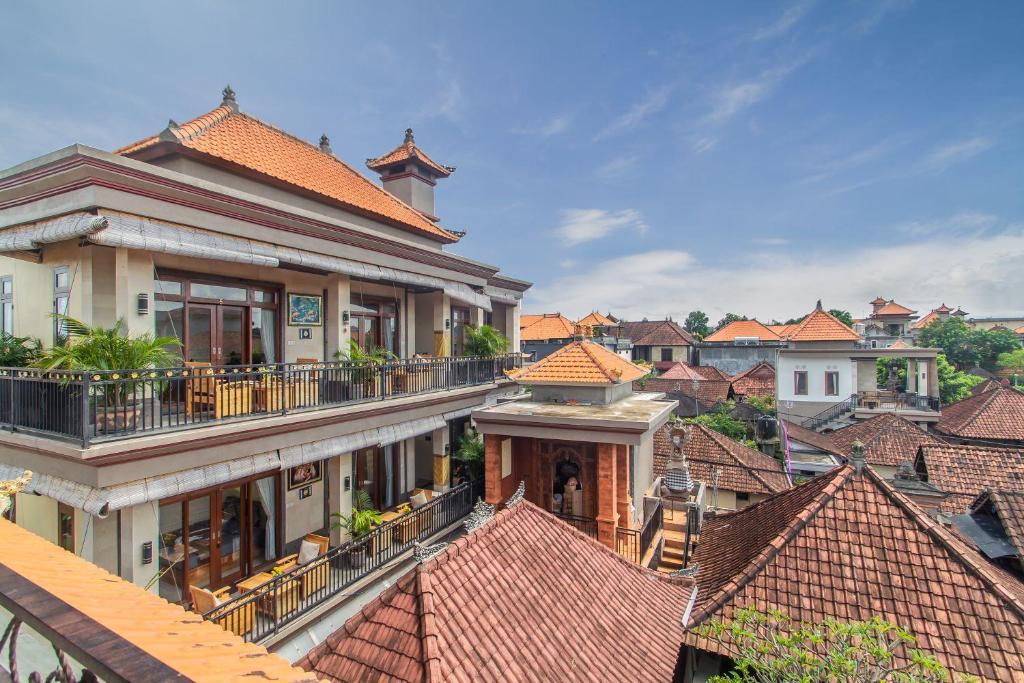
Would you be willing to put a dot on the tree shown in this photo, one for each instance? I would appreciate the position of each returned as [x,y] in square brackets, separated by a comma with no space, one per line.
[1012,361]
[882,366]
[697,324]
[722,422]
[990,344]
[953,384]
[965,347]
[729,318]
[771,647]
[842,316]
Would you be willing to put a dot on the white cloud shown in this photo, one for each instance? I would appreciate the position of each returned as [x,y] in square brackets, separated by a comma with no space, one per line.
[653,102]
[554,126]
[730,100]
[965,223]
[704,144]
[781,26]
[955,152]
[617,167]
[566,263]
[979,273]
[585,225]
[771,241]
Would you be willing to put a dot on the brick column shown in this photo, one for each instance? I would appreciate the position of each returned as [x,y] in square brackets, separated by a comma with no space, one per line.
[492,468]
[623,495]
[607,515]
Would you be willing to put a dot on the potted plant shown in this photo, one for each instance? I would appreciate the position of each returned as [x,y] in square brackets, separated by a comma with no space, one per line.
[360,380]
[470,453]
[19,352]
[362,520]
[116,396]
[485,342]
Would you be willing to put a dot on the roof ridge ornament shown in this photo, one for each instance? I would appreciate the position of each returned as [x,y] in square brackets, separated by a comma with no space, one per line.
[325,144]
[517,497]
[421,553]
[229,98]
[687,572]
[481,514]
[857,456]
[409,136]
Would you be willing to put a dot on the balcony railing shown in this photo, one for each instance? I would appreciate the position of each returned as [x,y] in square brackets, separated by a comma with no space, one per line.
[586,525]
[633,544]
[262,612]
[117,404]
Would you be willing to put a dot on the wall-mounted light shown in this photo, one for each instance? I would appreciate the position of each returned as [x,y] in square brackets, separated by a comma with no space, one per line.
[447,324]
[344,317]
[147,552]
[348,483]
[143,304]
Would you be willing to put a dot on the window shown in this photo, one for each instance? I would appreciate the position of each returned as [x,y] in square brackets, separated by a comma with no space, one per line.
[7,304]
[800,383]
[66,527]
[666,354]
[742,497]
[831,382]
[61,298]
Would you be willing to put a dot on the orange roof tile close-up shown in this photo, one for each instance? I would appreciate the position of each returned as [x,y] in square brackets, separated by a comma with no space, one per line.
[996,414]
[581,362]
[887,439]
[742,328]
[595,319]
[544,326]
[820,325]
[848,547]
[526,597]
[757,380]
[965,471]
[229,135]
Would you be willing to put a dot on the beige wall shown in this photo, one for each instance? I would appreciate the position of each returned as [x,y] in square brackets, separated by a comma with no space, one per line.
[305,515]
[678,353]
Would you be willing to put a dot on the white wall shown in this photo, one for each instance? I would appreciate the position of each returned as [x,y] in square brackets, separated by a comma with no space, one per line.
[816,365]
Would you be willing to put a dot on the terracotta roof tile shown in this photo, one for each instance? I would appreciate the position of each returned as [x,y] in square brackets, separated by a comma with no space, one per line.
[878,301]
[708,391]
[782,330]
[581,362]
[656,333]
[710,372]
[1009,508]
[966,471]
[925,320]
[544,326]
[893,308]
[407,151]
[595,319]
[524,598]
[849,547]
[742,469]
[822,442]
[758,380]
[682,371]
[888,439]
[245,141]
[996,414]
[742,328]
[820,325]
[985,385]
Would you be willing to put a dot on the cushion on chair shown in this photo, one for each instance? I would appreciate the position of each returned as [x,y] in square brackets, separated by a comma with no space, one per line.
[418,500]
[308,551]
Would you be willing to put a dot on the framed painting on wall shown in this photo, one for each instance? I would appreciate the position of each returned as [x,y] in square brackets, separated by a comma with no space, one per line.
[305,310]
[305,474]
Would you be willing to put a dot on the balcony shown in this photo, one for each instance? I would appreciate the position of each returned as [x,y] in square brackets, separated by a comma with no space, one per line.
[636,545]
[865,404]
[100,406]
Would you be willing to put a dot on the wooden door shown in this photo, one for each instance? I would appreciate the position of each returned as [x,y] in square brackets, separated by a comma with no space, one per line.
[217,334]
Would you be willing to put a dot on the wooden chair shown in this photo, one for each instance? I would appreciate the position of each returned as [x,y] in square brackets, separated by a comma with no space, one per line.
[314,577]
[238,619]
[213,394]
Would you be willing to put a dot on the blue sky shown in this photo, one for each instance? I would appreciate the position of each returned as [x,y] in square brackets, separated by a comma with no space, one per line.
[644,158]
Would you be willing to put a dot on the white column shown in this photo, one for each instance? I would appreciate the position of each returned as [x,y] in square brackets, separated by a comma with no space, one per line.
[338,499]
[140,524]
[442,459]
[338,298]
[442,324]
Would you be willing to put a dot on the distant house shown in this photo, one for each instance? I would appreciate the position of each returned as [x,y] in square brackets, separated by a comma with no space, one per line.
[606,331]
[543,333]
[661,342]
[994,417]
[739,346]
[758,380]
[888,323]
[698,389]
[1008,323]
[888,440]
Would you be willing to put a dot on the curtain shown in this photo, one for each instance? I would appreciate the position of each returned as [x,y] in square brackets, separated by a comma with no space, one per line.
[389,476]
[265,487]
[268,333]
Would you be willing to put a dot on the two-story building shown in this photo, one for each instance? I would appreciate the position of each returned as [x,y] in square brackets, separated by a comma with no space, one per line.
[887,324]
[265,256]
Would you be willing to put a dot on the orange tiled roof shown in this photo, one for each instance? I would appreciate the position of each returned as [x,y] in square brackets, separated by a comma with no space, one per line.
[545,326]
[595,319]
[899,344]
[878,301]
[1019,330]
[710,372]
[965,471]
[507,603]
[849,547]
[184,642]
[742,328]
[782,330]
[943,309]
[888,439]
[758,380]
[581,362]
[406,151]
[822,442]
[893,308]
[240,139]
[708,392]
[925,320]
[656,333]
[742,469]
[682,371]
[994,414]
[820,325]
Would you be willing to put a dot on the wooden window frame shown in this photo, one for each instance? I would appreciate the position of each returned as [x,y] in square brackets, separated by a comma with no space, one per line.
[65,509]
[379,301]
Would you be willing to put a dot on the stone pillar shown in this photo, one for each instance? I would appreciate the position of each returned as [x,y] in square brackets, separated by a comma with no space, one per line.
[442,324]
[442,459]
[338,499]
[623,495]
[476,316]
[607,513]
[138,525]
[512,323]
[492,468]
[933,378]
[912,372]
[338,299]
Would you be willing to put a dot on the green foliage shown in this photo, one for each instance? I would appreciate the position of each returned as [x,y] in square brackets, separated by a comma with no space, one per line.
[107,348]
[729,318]
[953,384]
[882,366]
[470,450]
[697,324]
[772,648]
[722,422]
[1012,361]
[485,341]
[363,518]
[794,321]
[376,355]
[966,347]
[842,316]
[18,352]
[762,404]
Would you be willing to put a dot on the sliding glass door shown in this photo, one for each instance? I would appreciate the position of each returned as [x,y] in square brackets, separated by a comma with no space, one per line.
[379,471]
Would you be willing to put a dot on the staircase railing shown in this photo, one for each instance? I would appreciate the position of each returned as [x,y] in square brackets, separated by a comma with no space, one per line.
[834,411]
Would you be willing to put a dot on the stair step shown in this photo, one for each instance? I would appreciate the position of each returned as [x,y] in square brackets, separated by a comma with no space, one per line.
[674,526]
[679,536]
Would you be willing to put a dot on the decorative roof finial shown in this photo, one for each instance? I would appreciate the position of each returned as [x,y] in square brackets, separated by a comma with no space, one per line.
[516,497]
[325,144]
[408,136]
[481,514]
[857,456]
[229,98]
[818,307]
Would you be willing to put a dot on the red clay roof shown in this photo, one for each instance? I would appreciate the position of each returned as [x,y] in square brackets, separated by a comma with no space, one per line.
[849,547]
[710,372]
[524,598]
[995,414]
[742,469]
[682,371]
[965,471]
[893,308]
[879,301]
[742,328]
[820,325]
[888,439]
[656,333]
[407,151]
[708,391]
[942,309]
[925,320]
[810,437]
[595,319]
[757,380]
[580,362]
[1009,508]
[245,141]
[544,326]
[782,330]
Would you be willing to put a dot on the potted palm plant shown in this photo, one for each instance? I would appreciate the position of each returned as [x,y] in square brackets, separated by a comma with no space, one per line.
[485,342]
[361,380]
[116,397]
[362,520]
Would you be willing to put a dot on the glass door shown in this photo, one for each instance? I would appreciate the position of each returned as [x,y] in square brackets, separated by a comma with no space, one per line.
[217,334]
[460,320]
[228,543]
[231,336]
[202,333]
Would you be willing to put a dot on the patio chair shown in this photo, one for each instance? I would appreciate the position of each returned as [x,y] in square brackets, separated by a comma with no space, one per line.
[238,619]
[313,577]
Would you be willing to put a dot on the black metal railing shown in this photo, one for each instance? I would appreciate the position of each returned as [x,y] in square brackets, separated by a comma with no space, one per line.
[116,404]
[897,400]
[633,544]
[262,612]
[587,525]
[834,411]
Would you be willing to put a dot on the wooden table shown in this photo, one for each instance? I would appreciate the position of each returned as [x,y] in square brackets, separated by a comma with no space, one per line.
[253,582]
[282,599]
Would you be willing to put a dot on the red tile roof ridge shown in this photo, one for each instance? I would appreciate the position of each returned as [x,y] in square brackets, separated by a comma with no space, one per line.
[957,548]
[818,312]
[829,488]
[430,636]
[983,400]
[757,366]
[756,467]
